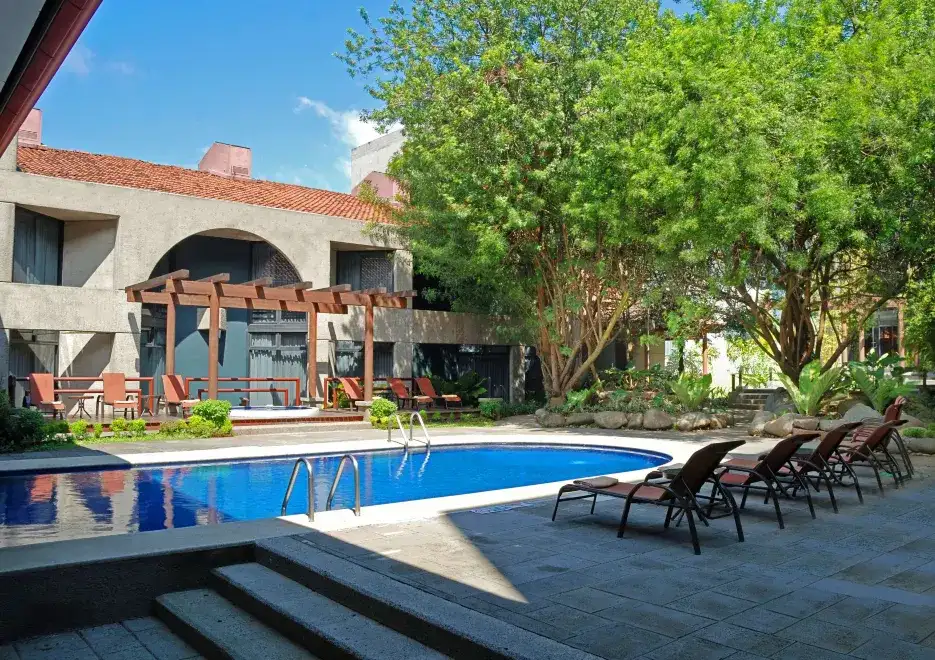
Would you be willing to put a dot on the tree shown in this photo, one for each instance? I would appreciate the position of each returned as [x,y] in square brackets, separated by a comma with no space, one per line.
[488,92]
[786,148]
[919,319]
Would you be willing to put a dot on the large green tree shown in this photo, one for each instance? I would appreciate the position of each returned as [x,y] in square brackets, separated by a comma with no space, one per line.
[785,148]
[489,93]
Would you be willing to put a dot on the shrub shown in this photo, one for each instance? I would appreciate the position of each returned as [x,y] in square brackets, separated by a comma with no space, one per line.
[224,430]
[120,426]
[524,408]
[56,427]
[20,428]
[491,409]
[918,432]
[692,391]
[199,427]
[212,410]
[173,428]
[813,388]
[98,430]
[137,428]
[79,430]
[469,387]
[436,417]
[381,408]
[870,376]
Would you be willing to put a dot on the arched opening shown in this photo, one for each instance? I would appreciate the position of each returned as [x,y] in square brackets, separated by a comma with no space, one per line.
[255,343]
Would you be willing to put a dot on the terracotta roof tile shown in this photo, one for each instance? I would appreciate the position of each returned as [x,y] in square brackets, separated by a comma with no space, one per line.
[131,173]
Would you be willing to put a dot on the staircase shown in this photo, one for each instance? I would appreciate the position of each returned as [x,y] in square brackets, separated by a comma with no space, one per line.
[298,601]
[745,402]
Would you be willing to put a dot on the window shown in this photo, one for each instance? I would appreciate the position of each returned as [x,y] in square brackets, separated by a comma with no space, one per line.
[277,355]
[349,359]
[365,270]
[37,248]
[883,336]
[267,261]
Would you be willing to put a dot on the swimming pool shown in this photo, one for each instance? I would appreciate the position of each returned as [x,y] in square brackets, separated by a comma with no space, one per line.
[38,507]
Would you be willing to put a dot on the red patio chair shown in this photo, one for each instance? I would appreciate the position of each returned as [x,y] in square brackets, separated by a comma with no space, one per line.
[427,389]
[175,395]
[115,394]
[352,390]
[42,394]
[402,395]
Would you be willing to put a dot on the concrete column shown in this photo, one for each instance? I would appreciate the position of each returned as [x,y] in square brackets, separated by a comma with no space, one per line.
[7,221]
[8,157]
[402,359]
[402,272]
[517,374]
[4,357]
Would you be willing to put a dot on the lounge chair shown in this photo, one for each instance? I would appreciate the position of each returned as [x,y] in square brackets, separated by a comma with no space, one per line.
[893,413]
[42,394]
[763,474]
[175,394]
[681,493]
[352,390]
[402,395]
[115,394]
[871,452]
[427,389]
[817,464]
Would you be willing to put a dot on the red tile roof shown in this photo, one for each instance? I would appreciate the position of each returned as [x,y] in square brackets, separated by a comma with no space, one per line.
[131,173]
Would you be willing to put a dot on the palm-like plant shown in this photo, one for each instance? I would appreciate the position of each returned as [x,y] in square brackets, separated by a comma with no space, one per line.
[870,376]
[692,391]
[814,387]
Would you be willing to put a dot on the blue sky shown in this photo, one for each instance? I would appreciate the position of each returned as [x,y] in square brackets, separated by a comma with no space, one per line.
[161,81]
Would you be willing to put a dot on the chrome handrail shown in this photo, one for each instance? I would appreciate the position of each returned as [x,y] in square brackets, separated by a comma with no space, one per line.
[337,478]
[425,432]
[389,432]
[311,490]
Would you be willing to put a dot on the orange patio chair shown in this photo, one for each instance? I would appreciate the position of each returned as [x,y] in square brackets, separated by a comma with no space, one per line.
[427,389]
[352,390]
[115,394]
[175,394]
[42,394]
[402,394]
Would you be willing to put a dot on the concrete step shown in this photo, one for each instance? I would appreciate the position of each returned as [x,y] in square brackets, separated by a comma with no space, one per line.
[741,405]
[441,624]
[216,628]
[317,623]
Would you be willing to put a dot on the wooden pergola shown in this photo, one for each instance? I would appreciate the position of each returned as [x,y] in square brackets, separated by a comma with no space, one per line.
[215,292]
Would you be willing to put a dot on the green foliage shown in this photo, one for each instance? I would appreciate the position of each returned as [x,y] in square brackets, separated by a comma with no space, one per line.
[523,408]
[137,428]
[872,379]
[692,391]
[173,428]
[382,408]
[120,427]
[919,319]
[469,387]
[919,432]
[214,410]
[226,429]
[199,427]
[20,428]
[56,427]
[79,430]
[578,400]
[750,360]
[491,409]
[436,416]
[655,379]
[813,388]
[98,430]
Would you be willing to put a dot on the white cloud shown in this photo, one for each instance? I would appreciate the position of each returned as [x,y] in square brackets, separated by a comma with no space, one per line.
[79,60]
[123,68]
[346,125]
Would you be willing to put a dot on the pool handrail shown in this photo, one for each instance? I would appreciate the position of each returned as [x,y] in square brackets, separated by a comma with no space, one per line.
[407,439]
[402,431]
[310,471]
[337,478]
[425,432]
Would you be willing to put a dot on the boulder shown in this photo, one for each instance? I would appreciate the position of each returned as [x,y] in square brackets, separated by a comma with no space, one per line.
[781,426]
[580,419]
[760,420]
[610,419]
[657,420]
[540,413]
[695,421]
[829,424]
[850,402]
[912,422]
[778,402]
[635,421]
[920,445]
[860,412]
[551,420]
[806,423]
[724,419]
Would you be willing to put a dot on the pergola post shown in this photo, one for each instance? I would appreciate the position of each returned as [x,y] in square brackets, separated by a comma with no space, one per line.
[704,354]
[170,331]
[213,342]
[368,350]
[312,353]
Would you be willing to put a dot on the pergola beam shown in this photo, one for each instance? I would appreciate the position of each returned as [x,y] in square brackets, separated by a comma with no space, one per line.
[290,294]
[192,300]
[297,286]
[378,291]
[260,281]
[217,277]
[337,288]
[159,281]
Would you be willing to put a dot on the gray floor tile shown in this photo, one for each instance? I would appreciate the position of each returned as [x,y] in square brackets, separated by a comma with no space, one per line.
[879,568]
[711,604]
[588,599]
[567,617]
[618,641]
[893,649]
[762,620]
[164,645]
[799,651]
[62,645]
[851,610]
[557,633]
[663,620]
[657,587]
[110,638]
[692,647]
[130,654]
[143,623]
[919,579]
[803,603]
[7,652]
[912,624]
[827,635]
[743,639]
[757,590]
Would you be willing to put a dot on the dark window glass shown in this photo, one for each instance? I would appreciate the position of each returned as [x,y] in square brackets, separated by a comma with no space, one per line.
[37,248]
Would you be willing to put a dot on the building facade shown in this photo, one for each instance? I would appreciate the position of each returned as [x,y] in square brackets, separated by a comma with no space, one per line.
[76,228]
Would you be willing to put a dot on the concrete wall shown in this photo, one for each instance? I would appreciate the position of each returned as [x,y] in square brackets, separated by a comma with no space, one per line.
[374,156]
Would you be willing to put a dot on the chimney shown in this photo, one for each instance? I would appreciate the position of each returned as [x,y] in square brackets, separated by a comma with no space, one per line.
[30,133]
[382,184]
[227,160]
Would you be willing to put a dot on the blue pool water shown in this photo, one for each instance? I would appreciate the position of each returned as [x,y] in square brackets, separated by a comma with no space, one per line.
[38,507]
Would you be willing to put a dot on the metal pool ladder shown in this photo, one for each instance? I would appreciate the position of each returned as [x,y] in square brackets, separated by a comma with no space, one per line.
[310,472]
[337,477]
[415,416]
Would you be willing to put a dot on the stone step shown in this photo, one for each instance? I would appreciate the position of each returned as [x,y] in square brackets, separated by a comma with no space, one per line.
[747,406]
[310,619]
[217,628]
[441,624]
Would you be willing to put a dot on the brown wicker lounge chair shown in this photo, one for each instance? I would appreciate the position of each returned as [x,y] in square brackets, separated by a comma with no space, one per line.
[817,464]
[893,413]
[871,452]
[42,394]
[352,390]
[402,395]
[681,495]
[427,389]
[763,474]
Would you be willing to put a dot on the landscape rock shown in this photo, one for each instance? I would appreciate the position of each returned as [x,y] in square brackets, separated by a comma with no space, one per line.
[860,412]
[920,445]
[781,426]
[912,422]
[540,413]
[551,420]
[850,402]
[760,420]
[806,423]
[580,419]
[724,419]
[610,419]
[779,402]
[657,420]
[829,424]
[635,421]
[696,421]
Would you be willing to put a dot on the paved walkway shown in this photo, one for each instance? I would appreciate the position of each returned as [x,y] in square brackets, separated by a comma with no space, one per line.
[857,584]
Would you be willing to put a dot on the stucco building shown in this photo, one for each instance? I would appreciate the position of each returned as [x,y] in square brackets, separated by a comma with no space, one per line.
[76,228]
